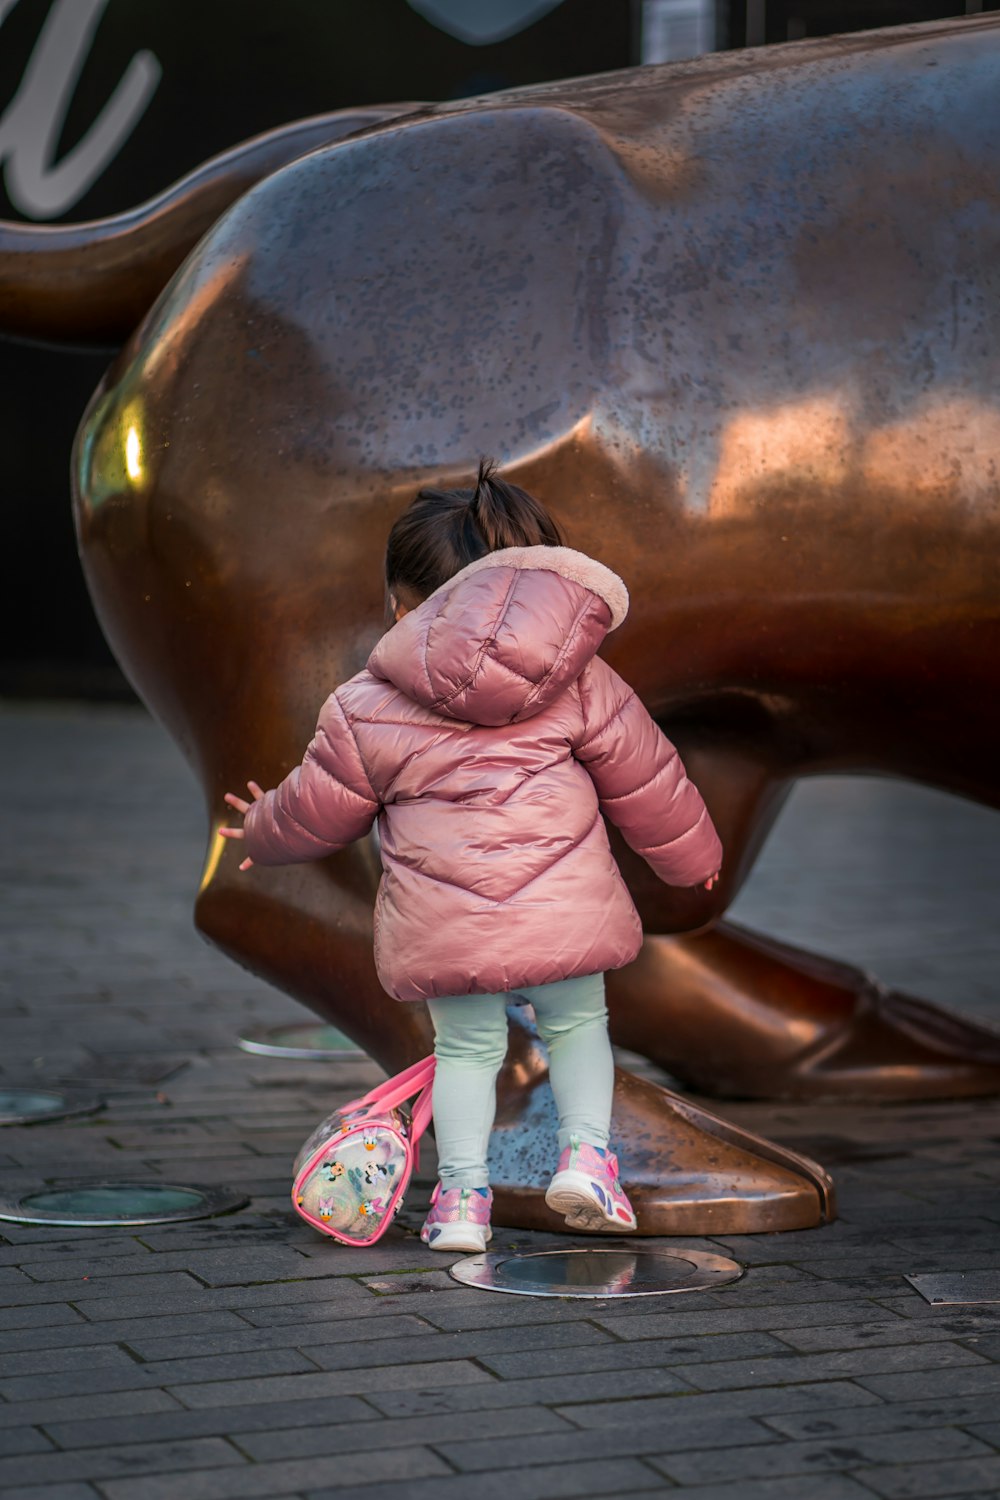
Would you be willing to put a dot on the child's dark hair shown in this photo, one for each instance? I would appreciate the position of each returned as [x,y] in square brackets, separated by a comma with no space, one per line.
[442,531]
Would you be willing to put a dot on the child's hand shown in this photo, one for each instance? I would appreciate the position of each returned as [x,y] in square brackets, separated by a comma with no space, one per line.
[244,808]
[712,880]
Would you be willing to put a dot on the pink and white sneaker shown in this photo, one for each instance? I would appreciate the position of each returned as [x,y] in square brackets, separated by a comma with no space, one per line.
[587,1191]
[459,1219]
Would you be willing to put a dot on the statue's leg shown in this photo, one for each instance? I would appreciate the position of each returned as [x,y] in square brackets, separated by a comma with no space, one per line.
[175,561]
[310,935]
[732,1013]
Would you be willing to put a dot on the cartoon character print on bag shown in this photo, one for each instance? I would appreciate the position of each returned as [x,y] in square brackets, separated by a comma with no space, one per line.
[378,1171]
[338,1205]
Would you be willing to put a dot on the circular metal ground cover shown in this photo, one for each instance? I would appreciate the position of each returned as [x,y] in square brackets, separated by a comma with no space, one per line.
[28,1106]
[104,1204]
[305,1040]
[612,1271]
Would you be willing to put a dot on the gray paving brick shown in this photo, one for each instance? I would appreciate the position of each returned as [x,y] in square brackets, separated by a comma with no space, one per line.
[81,1408]
[10,1279]
[960,1236]
[446,1312]
[79,1491]
[417,1281]
[331,1383]
[990,1494]
[961,1477]
[14,1440]
[894,1262]
[473,1451]
[708,1320]
[246,1231]
[192,1297]
[776,1460]
[781,1274]
[915,1309]
[45,1315]
[136,1376]
[670,1352]
[573,1345]
[78,1335]
[828,1366]
[396,1252]
[821,1487]
[148,1345]
[808,1292]
[517,1422]
[436,1308]
[801,1248]
[179,1422]
[875,1286]
[224,1267]
[751,1402]
[374,1468]
[69,1250]
[94,1287]
[934,1383]
[426,1399]
[987,1432]
[986,1344]
[131,1458]
[45,1361]
[873,1334]
[546,1482]
[881,1417]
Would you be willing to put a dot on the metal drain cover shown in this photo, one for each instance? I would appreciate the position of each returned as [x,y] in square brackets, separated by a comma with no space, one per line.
[958,1287]
[104,1204]
[305,1041]
[28,1106]
[617,1271]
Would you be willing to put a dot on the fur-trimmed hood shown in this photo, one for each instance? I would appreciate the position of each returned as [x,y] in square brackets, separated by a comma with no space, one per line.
[502,638]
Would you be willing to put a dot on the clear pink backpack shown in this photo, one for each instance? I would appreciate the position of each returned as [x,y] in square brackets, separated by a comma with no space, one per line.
[355,1167]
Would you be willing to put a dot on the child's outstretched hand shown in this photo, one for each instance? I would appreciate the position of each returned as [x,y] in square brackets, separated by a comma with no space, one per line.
[712,880]
[244,808]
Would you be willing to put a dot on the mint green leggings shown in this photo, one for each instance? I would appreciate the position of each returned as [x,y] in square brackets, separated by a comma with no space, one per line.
[470,1044]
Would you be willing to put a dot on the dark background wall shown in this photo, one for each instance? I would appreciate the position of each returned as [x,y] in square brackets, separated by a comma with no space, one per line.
[211,73]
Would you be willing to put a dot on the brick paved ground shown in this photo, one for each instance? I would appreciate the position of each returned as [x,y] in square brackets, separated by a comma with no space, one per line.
[245,1357]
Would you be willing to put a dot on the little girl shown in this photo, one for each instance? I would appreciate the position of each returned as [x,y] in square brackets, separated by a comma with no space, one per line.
[488,737]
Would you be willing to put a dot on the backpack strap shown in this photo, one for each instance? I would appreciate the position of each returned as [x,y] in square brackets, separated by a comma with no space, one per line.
[397,1090]
[421,1116]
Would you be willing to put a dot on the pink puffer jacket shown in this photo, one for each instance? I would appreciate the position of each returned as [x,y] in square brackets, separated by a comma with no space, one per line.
[487,737]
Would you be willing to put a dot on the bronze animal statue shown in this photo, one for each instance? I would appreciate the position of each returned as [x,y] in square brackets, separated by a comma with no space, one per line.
[735,322]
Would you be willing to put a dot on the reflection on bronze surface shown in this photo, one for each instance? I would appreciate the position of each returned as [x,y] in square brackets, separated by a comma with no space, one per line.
[735,321]
[92,283]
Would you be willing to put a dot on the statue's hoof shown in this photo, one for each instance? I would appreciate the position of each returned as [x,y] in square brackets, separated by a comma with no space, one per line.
[685,1170]
[739,1015]
[887,1046]
[894,1046]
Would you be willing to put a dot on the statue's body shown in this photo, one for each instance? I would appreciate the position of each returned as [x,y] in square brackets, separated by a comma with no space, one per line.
[736,322]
